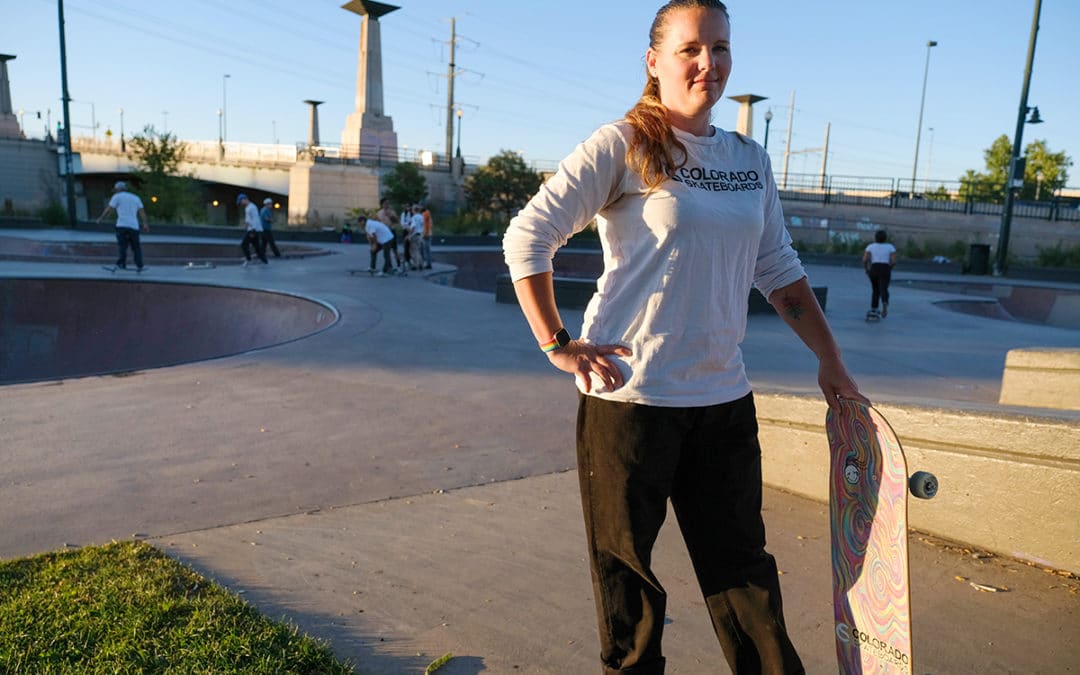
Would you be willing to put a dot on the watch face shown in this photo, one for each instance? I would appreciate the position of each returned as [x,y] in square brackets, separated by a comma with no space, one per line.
[562,337]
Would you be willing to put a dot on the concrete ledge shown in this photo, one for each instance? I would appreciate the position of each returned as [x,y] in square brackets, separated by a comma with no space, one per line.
[575,293]
[1042,378]
[1009,482]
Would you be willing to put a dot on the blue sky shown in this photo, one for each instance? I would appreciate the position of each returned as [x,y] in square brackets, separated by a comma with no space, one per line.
[539,77]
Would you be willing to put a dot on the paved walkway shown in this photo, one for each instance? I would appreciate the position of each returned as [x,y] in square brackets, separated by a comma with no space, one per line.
[401,484]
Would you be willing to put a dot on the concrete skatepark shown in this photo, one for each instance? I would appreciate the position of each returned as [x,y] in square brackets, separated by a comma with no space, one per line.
[400,482]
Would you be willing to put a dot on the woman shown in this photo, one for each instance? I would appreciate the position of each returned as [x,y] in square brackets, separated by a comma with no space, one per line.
[689,217]
[879,258]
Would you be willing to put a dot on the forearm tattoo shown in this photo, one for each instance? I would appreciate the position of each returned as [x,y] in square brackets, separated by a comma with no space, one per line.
[792,306]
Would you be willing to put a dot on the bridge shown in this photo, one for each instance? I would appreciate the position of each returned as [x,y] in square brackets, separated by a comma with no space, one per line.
[317,184]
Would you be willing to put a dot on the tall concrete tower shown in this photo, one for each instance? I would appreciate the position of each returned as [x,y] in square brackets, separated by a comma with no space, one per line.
[9,123]
[368,132]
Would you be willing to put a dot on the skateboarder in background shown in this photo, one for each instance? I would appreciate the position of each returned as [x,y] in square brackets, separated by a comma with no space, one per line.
[266,215]
[665,407]
[130,219]
[380,238]
[252,231]
[878,260]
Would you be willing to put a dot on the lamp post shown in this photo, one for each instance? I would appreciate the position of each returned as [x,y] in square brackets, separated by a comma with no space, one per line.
[1016,166]
[459,115]
[918,132]
[768,121]
[123,143]
[221,132]
[224,109]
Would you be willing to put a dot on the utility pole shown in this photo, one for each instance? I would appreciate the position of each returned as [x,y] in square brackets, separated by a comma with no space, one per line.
[787,150]
[922,102]
[1016,166]
[69,165]
[450,74]
[825,154]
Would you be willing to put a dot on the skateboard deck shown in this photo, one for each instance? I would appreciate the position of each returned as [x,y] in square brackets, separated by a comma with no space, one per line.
[114,269]
[868,489]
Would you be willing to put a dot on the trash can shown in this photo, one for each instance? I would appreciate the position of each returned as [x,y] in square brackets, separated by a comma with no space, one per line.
[979,259]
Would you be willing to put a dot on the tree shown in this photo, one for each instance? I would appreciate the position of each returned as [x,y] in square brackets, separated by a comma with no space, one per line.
[502,186]
[990,186]
[404,184]
[168,194]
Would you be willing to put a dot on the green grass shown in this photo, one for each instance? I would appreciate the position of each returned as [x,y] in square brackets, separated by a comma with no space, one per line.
[128,608]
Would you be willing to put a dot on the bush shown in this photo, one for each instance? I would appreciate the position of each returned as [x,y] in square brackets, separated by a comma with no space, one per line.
[53,214]
[1059,256]
[468,222]
[930,248]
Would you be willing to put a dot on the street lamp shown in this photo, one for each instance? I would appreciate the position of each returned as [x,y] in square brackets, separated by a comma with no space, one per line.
[1016,166]
[922,102]
[459,115]
[224,109]
[221,132]
[123,143]
[768,121]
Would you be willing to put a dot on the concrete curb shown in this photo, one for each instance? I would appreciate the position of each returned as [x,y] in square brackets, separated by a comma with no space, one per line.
[1008,481]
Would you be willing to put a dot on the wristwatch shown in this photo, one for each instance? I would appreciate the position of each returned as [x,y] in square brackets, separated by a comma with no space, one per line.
[560,339]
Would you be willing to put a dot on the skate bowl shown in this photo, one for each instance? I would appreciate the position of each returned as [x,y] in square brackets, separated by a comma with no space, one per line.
[61,328]
[1009,302]
[154,253]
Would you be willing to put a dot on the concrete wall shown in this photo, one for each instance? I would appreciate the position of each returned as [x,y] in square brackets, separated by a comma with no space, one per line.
[813,224]
[29,175]
[322,194]
[1010,482]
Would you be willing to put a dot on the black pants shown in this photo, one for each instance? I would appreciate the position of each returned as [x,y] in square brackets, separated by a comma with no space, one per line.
[253,238]
[125,236]
[385,248]
[880,275]
[707,461]
[268,242]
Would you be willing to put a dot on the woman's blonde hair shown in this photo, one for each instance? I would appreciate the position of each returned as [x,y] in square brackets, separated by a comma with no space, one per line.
[653,146]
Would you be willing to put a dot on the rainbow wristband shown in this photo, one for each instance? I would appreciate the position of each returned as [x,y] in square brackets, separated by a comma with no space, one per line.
[549,346]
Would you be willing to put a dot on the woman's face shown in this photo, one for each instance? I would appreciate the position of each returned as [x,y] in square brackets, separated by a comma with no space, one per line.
[692,63]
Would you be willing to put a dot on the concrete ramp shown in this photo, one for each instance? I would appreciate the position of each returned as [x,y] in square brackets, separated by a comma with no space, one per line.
[60,328]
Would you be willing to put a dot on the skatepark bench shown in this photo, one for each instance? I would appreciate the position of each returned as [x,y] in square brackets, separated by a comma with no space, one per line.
[575,293]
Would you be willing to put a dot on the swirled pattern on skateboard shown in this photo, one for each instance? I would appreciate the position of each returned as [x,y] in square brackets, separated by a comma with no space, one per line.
[868,514]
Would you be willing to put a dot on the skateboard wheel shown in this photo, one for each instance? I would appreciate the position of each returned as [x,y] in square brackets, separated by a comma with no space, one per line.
[923,485]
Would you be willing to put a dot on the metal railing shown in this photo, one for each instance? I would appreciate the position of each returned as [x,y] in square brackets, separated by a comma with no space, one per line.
[898,193]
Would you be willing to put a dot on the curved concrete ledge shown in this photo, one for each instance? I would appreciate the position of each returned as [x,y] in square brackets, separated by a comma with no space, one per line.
[1010,483]
[1042,378]
[60,328]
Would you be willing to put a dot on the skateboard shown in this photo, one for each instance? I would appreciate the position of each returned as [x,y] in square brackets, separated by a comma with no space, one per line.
[873,316]
[868,488]
[114,269]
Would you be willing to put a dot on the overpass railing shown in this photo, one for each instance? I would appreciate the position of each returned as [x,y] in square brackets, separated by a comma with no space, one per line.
[203,152]
[931,195]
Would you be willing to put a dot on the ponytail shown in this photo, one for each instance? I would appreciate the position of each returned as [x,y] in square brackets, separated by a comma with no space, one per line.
[653,145]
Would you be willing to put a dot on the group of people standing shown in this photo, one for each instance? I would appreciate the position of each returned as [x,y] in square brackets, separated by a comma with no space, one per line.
[413,227]
[258,229]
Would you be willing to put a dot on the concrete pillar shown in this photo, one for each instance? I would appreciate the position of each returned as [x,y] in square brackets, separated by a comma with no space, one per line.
[313,123]
[368,132]
[745,123]
[9,123]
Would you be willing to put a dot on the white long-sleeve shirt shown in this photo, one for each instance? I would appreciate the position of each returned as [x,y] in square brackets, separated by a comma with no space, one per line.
[252,221]
[678,263]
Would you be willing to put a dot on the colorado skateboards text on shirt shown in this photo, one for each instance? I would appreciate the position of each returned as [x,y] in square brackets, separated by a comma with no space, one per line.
[716,180]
